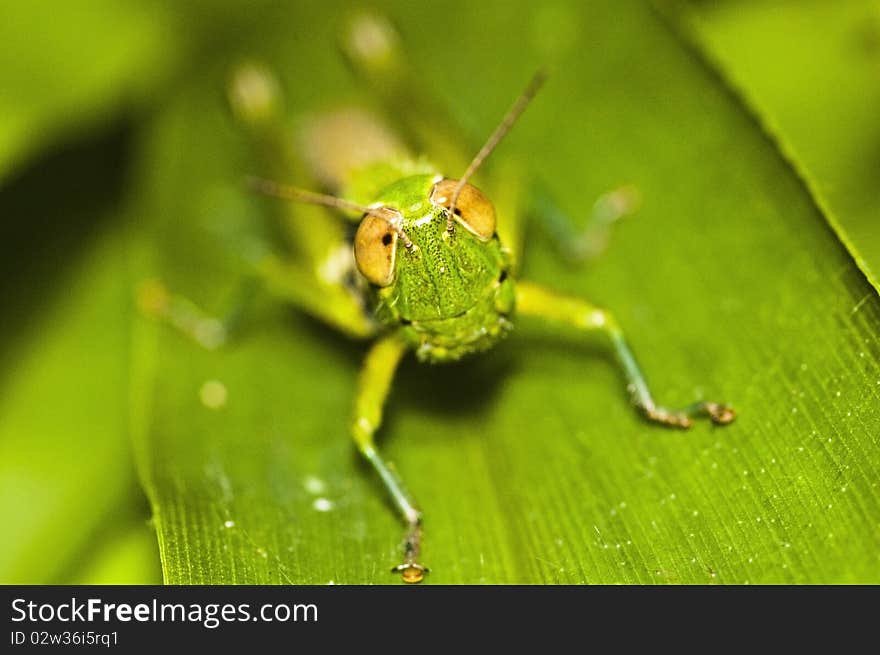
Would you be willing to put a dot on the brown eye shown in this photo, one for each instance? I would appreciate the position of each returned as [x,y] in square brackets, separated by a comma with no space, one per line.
[473,209]
[375,248]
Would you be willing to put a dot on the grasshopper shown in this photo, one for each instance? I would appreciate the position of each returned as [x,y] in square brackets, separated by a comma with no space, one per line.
[429,269]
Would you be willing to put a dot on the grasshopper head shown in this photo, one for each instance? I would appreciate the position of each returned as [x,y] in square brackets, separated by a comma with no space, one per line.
[442,287]
[473,210]
[406,207]
[375,245]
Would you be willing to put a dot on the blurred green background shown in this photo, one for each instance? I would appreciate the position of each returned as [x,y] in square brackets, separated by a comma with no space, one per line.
[750,275]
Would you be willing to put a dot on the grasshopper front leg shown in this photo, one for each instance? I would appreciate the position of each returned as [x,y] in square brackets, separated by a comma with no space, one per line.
[534,300]
[373,387]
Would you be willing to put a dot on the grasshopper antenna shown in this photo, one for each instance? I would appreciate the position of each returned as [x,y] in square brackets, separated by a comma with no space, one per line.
[286,192]
[503,128]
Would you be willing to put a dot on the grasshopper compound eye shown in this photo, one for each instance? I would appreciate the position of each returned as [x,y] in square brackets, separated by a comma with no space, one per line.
[375,246]
[473,210]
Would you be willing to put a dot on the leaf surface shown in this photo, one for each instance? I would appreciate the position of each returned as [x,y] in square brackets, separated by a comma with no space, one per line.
[812,72]
[528,462]
[74,66]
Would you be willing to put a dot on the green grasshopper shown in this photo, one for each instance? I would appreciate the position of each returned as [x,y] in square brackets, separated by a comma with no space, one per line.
[428,270]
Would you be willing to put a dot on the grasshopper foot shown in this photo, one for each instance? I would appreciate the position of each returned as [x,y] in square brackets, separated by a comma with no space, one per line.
[716,412]
[411,572]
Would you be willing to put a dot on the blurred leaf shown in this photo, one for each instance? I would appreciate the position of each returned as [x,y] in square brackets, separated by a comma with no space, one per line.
[812,71]
[65,461]
[127,555]
[70,65]
[69,77]
[528,462]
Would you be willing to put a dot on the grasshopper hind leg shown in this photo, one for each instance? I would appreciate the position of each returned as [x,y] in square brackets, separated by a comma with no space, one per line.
[584,245]
[210,331]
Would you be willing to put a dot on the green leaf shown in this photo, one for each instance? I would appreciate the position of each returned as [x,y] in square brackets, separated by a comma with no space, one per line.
[126,555]
[73,66]
[65,461]
[812,71]
[528,461]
